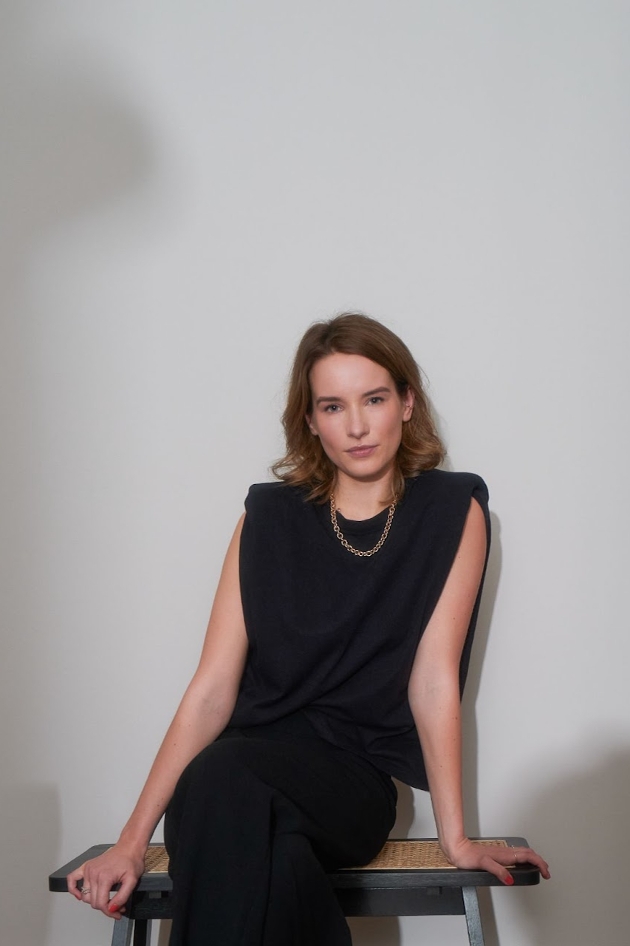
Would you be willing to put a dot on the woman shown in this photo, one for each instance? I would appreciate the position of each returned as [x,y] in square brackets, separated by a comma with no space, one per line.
[337,647]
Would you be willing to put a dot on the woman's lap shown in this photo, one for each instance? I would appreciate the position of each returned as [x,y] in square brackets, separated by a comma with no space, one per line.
[234,826]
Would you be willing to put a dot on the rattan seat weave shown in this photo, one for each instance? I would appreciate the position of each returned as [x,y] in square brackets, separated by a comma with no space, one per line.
[395,855]
[414,855]
[156,860]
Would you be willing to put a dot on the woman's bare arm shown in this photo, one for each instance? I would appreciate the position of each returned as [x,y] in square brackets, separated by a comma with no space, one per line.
[435,703]
[202,715]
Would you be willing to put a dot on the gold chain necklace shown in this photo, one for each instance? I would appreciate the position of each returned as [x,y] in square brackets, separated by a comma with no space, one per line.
[344,541]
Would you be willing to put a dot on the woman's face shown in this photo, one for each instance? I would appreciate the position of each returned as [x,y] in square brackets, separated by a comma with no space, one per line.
[358,415]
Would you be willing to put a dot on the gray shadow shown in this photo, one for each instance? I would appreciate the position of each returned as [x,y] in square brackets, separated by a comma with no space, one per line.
[482,634]
[70,148]
[582,829]
[374,931]
[469,719]
[31,834]
[405,811]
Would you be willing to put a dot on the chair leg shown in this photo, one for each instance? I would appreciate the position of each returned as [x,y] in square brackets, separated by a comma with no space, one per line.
[142,933]
[473,916]
[123,929]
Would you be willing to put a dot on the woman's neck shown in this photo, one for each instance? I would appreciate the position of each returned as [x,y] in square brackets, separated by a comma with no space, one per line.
[361,500]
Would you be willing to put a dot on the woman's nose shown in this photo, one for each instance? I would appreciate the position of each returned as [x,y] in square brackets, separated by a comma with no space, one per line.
[357,423]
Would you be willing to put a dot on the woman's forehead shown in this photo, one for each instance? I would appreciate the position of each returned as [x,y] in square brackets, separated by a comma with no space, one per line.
[348,373]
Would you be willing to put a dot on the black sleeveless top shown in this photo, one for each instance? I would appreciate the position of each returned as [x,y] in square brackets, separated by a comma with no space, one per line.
[332,635]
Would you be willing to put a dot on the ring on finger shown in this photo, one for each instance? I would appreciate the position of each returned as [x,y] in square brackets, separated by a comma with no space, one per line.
[84,891]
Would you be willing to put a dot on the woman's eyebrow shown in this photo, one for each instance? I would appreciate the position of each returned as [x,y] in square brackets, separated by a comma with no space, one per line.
[382,390]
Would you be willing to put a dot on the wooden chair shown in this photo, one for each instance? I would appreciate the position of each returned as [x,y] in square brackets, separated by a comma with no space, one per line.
[408,878]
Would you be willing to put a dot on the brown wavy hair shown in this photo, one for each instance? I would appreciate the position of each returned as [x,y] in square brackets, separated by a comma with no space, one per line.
[305,463]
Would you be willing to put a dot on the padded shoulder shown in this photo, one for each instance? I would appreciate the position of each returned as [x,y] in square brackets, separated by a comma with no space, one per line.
[270,496]
[445,483]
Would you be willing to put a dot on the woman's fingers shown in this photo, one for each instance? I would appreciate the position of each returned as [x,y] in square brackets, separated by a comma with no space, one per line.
[92,882]
[500,859]
[74,880]
[526,855]
[115,907]
[100,885]
[97,887]
[493,866]
[497,860]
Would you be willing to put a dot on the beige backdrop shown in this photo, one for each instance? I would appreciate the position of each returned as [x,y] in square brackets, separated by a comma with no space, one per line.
[186,185]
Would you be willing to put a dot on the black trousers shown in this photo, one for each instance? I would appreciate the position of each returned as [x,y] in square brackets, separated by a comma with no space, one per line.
[255,821]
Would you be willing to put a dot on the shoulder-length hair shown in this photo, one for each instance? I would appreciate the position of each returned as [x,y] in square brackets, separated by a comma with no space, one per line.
[305,463]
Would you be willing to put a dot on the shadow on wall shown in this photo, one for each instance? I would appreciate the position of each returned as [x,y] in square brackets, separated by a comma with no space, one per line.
[469,719]
[70,147]
[583,830]
[374,931]
[30,844]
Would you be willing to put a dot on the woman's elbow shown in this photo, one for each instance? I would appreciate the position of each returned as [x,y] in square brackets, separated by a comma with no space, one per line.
[211,701]
[428,694]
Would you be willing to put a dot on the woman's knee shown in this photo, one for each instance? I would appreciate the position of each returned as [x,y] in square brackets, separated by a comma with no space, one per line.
[220,762]
[209,782]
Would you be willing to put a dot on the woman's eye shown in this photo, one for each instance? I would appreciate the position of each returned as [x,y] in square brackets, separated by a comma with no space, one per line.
[376,399]
[331,408]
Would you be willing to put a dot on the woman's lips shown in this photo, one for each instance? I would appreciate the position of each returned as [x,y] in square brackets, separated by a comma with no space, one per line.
[361,451]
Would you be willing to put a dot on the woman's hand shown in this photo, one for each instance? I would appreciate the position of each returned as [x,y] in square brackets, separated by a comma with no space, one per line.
[118,865]
[494,858]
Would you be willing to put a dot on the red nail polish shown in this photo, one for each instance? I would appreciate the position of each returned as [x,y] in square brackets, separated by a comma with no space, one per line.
[509,880]
[112,907]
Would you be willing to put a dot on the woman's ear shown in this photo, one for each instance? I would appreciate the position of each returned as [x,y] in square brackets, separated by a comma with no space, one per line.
[408,399]
[307,418]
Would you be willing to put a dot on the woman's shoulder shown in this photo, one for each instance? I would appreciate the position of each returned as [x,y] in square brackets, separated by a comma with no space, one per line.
[272,496]
[447,484]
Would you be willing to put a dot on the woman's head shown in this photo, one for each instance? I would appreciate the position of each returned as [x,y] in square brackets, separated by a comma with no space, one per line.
[306,462]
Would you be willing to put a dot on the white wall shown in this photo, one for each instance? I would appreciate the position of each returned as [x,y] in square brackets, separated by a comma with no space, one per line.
[185,187]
